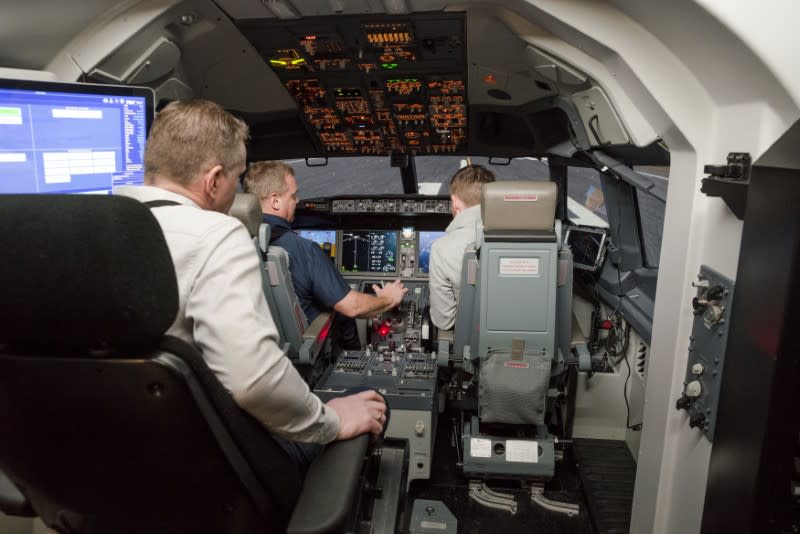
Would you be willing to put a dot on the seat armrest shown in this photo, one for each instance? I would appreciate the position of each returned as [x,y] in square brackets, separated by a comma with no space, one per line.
[318,325]
[579,348]
[314,338]
[447,335]
[330,488]
[12,501]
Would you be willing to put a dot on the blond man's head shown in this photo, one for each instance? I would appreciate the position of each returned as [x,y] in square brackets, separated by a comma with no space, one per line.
[466,186]
[265,178]
[274,184]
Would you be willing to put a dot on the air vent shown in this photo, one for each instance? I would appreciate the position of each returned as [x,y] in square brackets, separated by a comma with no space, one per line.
[499,94]
[641,360]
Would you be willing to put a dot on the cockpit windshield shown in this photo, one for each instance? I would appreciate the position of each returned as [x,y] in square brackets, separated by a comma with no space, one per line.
[374,174]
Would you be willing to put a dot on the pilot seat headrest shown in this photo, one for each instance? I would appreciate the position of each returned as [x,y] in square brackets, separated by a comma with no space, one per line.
[83,271]
[518,205]
[247,209]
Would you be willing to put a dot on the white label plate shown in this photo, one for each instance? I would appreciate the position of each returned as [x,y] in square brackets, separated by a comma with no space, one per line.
[433,524]
[522,451]
[480,448]
[519,266]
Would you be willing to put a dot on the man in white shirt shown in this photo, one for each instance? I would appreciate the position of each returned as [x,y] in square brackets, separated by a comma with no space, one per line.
[194,155]
[447,252]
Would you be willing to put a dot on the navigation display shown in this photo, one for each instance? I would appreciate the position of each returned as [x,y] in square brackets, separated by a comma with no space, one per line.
[426,239]
[71,138]
[369,251]
[326,239]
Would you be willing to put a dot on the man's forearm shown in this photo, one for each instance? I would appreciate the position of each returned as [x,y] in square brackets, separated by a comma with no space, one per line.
[374,305]
[357,304]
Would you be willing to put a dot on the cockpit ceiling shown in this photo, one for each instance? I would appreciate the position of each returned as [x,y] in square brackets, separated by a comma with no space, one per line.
[371,85]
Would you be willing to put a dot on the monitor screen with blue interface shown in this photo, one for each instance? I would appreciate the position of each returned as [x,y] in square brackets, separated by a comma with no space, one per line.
[426,239]
[71,138]
[370,251]
[326,239]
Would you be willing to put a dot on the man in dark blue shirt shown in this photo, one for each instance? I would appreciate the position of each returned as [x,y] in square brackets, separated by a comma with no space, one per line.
[317,283]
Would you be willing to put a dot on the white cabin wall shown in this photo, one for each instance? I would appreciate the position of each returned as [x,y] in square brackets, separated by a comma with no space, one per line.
[216,62]
[27,74]
[706,92]
[104,34]
[750,110]
[32,32]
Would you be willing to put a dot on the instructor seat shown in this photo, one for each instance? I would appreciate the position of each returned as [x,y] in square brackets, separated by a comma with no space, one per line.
[109,426]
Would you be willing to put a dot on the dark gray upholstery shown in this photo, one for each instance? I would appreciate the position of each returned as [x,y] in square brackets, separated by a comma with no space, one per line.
[76,264]
[108,425]
[467,326]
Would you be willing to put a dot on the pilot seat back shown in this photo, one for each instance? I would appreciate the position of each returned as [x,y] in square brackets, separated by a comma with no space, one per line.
[247,209]
[109,426]
[518,281]
[303,343]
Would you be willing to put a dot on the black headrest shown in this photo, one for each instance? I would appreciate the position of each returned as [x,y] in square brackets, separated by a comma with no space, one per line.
[81,270]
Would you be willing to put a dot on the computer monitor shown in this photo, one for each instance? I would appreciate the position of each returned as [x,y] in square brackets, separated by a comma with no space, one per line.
[326,239]
[426,239]
[369,251]
[71,137]
[588,246]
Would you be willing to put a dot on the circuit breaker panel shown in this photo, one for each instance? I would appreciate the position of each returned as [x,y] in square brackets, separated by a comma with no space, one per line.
[712,309]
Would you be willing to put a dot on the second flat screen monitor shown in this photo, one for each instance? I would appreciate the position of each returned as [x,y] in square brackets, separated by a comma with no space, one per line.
[426,239]
[369,251]
[326,239]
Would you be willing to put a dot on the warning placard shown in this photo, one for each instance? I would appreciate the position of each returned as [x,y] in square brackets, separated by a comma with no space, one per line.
[520,198]
[519,266]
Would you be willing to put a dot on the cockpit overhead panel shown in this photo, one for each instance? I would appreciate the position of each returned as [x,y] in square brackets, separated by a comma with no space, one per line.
[373,84]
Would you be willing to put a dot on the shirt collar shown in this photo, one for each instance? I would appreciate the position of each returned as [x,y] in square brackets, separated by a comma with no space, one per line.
[467,217]
[147,193]
[274,220]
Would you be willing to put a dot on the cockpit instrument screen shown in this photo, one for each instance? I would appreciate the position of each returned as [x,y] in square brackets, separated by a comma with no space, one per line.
[426,239]
[369,251]
[588,246]
[326,239]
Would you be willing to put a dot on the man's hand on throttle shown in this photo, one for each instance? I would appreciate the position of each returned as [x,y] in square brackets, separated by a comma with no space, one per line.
[360,413]
[394,291]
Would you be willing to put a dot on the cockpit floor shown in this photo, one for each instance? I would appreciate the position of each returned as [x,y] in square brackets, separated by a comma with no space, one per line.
[448,484]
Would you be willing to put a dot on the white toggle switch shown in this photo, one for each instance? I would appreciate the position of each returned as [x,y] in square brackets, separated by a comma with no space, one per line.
[419,428]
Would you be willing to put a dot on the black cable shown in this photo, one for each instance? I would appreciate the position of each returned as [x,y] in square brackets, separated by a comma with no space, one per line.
[618,244]
[637,427]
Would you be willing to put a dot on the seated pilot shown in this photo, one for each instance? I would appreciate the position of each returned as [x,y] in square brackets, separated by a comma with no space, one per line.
[447,252]
[317,283]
